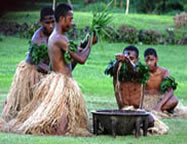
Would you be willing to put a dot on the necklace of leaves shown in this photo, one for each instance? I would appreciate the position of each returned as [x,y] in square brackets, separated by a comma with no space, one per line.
[140,73]
[38,52]
[168,82]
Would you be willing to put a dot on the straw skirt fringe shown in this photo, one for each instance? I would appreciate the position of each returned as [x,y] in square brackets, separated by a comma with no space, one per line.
[150,101]
[20,94]
[57,107]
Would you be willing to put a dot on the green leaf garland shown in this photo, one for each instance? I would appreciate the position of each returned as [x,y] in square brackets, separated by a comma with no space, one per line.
[38,52]
[168,82]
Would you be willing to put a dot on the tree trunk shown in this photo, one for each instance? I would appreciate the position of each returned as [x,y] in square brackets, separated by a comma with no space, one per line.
[54,4]
[121,4]
[115,3]
[86,2]
[69,2]
[127,7]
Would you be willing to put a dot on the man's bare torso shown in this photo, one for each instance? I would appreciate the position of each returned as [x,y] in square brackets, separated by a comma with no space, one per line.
[56,49]
[38,38]
[153,84]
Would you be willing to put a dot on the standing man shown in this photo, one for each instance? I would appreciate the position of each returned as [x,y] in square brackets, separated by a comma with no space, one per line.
[28,73]
[154,100]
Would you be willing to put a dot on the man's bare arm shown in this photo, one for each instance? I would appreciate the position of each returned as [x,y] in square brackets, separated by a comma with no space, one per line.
[94,41]
[42,67]
[82,56]
[166,96]
[164,99]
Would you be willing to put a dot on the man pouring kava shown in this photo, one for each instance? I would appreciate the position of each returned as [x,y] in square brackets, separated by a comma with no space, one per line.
[129,77]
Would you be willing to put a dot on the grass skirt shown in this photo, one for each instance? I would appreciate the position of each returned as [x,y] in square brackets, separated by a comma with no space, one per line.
[57,108]
[150,101]
[20,94]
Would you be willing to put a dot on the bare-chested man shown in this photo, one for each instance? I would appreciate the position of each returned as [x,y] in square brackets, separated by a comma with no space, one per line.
[27,73]
[41,36]
[130,57]
[58,106]
[125,99]
[153,98]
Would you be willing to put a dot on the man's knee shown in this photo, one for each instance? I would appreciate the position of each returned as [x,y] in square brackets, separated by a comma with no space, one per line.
[175,101]
[170,104]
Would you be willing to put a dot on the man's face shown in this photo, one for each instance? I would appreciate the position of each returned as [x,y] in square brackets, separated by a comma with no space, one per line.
[67,22]
[48,23]
[151,62]
[132,55]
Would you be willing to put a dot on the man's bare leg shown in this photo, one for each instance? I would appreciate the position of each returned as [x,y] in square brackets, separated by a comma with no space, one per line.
[170,104]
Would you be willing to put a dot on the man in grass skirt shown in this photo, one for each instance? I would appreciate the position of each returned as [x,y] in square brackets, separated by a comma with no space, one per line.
[29,72]
[159,90]
[58,106]
[129,76]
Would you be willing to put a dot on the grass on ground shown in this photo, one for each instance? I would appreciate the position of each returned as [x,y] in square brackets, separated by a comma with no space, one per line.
[97,89]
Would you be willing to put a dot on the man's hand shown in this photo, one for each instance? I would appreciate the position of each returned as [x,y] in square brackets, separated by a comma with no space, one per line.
[94,40]
[120,57]
[80,49]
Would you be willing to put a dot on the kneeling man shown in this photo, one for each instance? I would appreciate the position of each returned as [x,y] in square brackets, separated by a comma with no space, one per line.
[154,99]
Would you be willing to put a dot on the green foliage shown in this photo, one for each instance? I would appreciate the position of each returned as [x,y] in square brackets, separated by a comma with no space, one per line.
[1,38]
[140,21]
[38,52]
[112,34]
[31,30]
[139,74]
[110,68]
[99,6]
[150,37]
[168,82]
[127,34]
[143,72]
[98,90]
[100,21]
[146,6]
[72,47]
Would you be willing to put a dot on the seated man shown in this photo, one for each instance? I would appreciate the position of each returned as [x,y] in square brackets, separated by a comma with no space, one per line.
[29,73]
[127,87]
[154,100]
[129,57]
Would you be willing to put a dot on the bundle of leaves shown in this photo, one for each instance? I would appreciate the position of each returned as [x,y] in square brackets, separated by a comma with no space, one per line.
[140,73]
[168,82]
[38,52]
[143,72]
[110,68]
[99,22]
[113,34]
[72,47]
